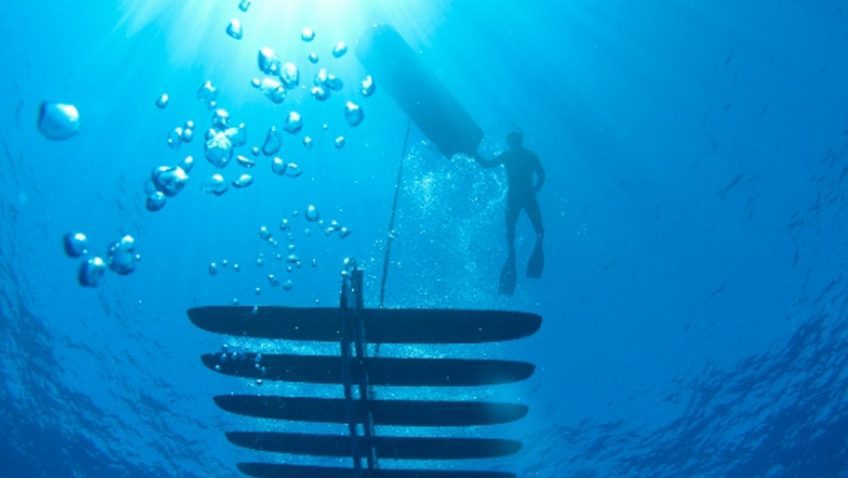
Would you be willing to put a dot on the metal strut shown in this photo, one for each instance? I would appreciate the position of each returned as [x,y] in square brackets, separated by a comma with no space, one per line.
[353,333]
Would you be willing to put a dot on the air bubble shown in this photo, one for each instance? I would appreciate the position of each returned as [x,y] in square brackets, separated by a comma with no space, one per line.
[58,121]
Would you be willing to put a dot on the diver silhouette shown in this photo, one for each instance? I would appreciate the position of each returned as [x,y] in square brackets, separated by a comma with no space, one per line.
[520,165]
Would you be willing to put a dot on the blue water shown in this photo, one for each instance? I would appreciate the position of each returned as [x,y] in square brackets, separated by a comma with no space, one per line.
[695,298]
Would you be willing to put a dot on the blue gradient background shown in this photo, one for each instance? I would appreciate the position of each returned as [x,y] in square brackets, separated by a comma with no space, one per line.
[695,295]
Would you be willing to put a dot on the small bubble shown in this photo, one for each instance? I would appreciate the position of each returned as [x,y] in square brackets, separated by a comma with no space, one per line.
[58,121]
[189,124]
[334,83]
[319,93]
[260,262]
[175,137]
[216,184]
[344,232]
[155,201]
[220,119]
[187,163]
[367,86]
[340,49]
[272,143]
[311,214]
[294,122]
[258,382]
[245,162]
[258,290]
[307,142]
[162,101]
[314,262]
[234,29]
[293,170]
[207,94]
[339,142]
[224,262]
[236,267]
[353,113]
[76,244]
[269,62]
[244,180]
[313,57]
[213,268]
[188,135]
[292,247]
[273,281]
[264,233]
[307,34]
[235,301]
[287,285]
[278,166]
[244,5]
[284,224]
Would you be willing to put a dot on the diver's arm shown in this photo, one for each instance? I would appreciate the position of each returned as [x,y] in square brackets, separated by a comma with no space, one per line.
[540,175]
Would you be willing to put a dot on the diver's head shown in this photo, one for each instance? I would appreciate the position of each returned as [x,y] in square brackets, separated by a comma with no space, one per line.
[514,138]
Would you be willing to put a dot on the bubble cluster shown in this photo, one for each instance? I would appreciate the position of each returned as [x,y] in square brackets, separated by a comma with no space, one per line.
[121,258]
[58,121]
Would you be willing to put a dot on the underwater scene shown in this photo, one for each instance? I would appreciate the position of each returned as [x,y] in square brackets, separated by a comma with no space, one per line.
[424,239]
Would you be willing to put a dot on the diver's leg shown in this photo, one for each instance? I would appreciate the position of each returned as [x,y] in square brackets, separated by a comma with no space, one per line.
[535,215]
[536,264]
[512,210]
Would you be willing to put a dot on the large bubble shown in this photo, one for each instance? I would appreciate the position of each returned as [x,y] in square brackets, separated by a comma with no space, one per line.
[272,143]
[58,121]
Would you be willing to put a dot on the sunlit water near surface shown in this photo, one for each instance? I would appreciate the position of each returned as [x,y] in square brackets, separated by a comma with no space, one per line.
[163,155]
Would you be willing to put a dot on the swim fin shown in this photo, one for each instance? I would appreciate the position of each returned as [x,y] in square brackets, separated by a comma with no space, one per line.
[536,264]
[507,282]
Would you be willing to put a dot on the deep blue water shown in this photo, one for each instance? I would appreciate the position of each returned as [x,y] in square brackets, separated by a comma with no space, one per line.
[695,295]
